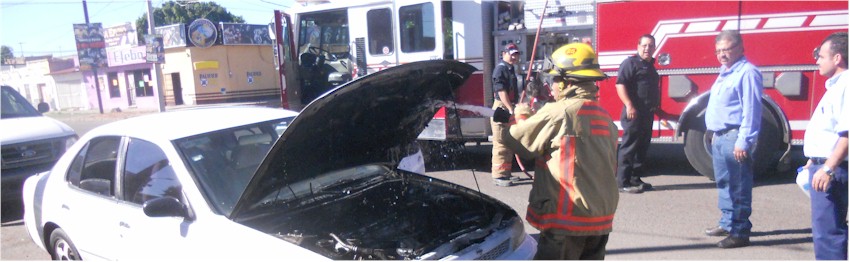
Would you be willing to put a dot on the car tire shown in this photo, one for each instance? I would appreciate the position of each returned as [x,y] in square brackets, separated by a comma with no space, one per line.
[61,247]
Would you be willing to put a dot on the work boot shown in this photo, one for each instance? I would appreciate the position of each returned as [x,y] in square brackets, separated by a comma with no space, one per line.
[733,242]
[643,185]
[631,189]
[716,232]
[503,181]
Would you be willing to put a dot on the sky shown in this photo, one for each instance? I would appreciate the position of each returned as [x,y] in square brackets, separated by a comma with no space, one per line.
[44,27]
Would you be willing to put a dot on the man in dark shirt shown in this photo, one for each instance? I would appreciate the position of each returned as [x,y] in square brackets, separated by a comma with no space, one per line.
[506,95]
[637,87]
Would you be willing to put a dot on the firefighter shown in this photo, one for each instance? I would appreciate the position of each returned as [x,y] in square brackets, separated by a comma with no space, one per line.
[574,193]
[505,96]
[637,87]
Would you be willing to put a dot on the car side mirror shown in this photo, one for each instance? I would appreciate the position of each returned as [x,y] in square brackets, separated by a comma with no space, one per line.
[165,207]
[43,107]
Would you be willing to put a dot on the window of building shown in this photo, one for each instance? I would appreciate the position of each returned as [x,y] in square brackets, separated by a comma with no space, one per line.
[141,81]
[112,81]
[379,26]
[417,28]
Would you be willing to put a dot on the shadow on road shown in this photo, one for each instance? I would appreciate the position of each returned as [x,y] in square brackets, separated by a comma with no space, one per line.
[12,211]
[806,231]
[658,249]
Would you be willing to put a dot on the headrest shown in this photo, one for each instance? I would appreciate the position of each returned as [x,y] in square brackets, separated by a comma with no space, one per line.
[254,139]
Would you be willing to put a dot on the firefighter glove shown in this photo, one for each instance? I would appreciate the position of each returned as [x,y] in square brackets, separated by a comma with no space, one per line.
[501,115]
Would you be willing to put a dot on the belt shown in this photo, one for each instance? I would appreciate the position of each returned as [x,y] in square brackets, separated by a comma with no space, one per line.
[822,160]
[724,131]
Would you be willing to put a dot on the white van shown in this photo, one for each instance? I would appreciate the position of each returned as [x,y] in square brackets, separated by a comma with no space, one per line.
[31,142]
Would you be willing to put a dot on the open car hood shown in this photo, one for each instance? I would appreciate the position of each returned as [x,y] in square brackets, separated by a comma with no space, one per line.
[368,120]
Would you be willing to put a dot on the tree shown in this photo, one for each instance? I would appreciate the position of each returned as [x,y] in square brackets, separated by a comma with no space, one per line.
[6,53]
[173,13]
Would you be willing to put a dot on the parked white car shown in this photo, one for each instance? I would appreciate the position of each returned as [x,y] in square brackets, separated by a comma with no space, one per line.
[31,142]
[248,183]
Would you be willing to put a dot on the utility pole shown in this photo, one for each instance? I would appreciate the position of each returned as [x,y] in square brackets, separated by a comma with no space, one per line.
[94,67]
[21,44]
[156,76]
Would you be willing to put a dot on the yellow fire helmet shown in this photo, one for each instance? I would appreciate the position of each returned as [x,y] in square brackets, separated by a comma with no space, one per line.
[576,60]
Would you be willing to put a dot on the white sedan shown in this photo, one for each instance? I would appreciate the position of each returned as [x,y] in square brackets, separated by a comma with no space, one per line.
[254,183]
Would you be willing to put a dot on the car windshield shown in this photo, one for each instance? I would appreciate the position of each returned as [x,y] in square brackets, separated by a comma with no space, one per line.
[224,161]
[14,105]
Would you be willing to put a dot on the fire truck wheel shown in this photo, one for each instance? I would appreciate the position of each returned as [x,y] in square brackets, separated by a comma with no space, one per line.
[698,148]
[698,152]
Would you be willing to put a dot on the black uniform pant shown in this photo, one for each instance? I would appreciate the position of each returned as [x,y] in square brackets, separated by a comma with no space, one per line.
[553,246]
[631,154]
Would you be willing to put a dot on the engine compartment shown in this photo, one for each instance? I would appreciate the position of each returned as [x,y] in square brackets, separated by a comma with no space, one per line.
[398,218]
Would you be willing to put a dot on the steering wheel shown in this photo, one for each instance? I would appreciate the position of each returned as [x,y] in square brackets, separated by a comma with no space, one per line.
[322,52]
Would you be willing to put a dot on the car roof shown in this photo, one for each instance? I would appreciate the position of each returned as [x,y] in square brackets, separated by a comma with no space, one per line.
[173,125]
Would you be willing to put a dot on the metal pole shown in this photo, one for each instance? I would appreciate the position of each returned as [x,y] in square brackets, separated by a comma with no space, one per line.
[155,77]
[94,67]
[534,51]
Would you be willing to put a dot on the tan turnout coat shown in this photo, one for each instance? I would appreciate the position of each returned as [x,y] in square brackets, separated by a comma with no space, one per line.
[574,143]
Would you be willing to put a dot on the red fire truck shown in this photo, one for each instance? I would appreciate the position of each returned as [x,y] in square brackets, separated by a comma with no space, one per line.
[778,38]
[321,46]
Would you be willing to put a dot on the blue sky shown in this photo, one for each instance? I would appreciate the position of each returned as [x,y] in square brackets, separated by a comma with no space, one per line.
[41,27]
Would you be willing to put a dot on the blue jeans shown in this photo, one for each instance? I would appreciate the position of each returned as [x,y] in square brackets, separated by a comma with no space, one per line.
[734,183]
[829,211]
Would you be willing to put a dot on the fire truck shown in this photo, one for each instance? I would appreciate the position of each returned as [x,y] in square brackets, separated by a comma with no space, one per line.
[321,46]
[778,38]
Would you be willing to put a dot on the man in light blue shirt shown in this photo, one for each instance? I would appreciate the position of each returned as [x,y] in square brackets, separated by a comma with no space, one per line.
[825,144]
[734,115]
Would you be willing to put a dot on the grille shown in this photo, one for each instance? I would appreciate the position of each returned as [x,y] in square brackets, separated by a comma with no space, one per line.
[32,153]
[495,252]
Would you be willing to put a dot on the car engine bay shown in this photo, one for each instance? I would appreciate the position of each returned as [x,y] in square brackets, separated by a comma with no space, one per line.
[406,217]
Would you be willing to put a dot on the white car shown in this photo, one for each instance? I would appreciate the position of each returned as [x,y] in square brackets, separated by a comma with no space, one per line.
[219,184]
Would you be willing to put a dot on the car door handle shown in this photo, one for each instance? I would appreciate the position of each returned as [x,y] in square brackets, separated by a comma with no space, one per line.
[124,225]
[64,206]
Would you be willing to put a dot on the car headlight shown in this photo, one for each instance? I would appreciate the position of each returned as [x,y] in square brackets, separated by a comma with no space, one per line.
[517,233]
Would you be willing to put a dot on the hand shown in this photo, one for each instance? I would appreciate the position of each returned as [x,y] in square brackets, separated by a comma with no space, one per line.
[820,181]
[631,112]
[501,115]
[740,154]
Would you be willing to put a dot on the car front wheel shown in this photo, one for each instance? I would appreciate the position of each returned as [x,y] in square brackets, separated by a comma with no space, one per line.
[61,246]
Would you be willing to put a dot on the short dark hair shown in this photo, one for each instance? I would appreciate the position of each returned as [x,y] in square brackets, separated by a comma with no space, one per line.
[838,45]
[730,35]
[650,37]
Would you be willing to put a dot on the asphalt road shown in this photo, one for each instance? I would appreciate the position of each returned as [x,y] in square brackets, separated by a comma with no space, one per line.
[664,224]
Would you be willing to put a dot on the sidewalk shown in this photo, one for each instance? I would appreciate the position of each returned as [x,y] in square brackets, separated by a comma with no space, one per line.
[94,114]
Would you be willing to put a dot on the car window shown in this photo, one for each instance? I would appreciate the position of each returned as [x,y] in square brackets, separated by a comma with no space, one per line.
[97,173]
[148,174]
[77,167]
[14,105]
[224,161]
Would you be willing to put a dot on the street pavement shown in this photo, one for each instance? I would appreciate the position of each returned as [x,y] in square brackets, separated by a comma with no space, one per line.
[663,224]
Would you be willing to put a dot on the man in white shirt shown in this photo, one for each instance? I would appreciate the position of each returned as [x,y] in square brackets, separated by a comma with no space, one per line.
[825,144]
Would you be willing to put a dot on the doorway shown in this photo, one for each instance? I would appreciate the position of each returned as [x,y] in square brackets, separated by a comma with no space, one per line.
[178,89]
